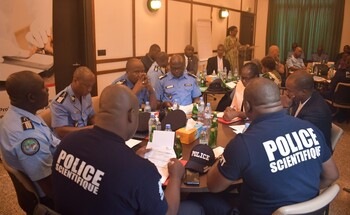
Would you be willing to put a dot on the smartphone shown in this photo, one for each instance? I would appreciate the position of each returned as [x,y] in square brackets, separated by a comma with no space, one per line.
[191,178]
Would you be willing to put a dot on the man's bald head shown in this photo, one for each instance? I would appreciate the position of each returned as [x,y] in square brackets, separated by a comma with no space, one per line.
[27,91]
[162,59]
[177,65]
[302,80]
[118,111]
[261,96]
[274,52]
[83,81]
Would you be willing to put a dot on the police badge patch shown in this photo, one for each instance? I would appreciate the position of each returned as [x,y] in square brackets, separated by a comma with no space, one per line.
[30,146]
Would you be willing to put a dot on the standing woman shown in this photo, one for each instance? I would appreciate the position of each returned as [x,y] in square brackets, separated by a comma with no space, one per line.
[231,47]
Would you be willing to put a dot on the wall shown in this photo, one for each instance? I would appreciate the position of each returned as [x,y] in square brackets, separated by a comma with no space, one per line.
[345,37]
[125,33]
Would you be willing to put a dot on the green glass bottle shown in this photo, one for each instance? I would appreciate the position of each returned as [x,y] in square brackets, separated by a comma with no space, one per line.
[151,135]
[212,138]
[195,112]
[178,147]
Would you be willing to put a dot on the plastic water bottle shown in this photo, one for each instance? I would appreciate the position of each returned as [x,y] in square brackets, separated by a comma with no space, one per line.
[151,122]
[201,107]
[203,138]
[158,124]
[207,115]
[168,127]
[205,72]
[147,107]
[214,73]
[229,76]
[235,75]
[175,105]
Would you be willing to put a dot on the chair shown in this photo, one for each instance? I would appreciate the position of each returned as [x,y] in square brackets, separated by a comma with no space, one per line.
[95,103]
[45,114]
[336,133]
[341,96]
[317,205]
[176,118]
[27,195]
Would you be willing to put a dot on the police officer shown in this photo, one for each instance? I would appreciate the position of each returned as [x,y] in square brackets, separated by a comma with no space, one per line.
[26,142]
[72,108]
[136,79]
[158,67]
[177,84]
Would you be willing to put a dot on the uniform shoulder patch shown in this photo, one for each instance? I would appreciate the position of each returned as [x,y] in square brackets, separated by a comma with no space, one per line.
[60,99]
[26,123]
[30,146]
[162,76]
[121,81]
[192,75]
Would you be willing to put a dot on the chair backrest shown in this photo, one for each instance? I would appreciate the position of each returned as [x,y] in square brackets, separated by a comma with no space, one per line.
[46,116]
[176,118]
[95,103]
[26,192]
[143,121]
[341,96]
[313,206]
[336,133]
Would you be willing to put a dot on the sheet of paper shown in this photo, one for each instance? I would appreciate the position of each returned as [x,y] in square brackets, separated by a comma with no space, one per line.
[231,84]
[238,128]
[220,114]
[218,151]
[132,142]
[161,151]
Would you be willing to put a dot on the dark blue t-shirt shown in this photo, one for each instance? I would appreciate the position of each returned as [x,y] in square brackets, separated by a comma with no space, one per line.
[94,172]
[279,158]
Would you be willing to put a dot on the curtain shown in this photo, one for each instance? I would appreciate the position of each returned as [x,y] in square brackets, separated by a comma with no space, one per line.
[310,23]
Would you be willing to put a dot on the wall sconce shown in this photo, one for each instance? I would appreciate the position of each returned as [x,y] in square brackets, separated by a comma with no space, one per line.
[153,5]
[223,13]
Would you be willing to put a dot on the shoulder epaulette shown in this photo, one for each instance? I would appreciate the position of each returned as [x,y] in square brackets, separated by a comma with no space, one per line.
[121,81]
[193,76]
[26,123]
[162,76]
[60,99]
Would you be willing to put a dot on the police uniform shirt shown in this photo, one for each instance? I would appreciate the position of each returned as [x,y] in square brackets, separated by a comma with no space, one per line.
[296,62]
[184,88]
[142,96]
[66,109]
[117,181]
[279,166]
[154,73]
[27,143]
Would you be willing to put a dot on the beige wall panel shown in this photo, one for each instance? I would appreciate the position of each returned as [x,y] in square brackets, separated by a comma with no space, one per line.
[234,4]
[345,37]
[113,28]
[234,19]
[199,12]
[110,66]
[106,79]
[261,29]
[178,26]
[248,6]
[150,27]
[219,28]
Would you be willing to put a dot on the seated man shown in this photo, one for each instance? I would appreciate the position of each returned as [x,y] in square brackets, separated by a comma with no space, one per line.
[150,57]
[115,180]
[291,52]
[158,68]
[72,109]
[136,79]
[248,72]
[346,50]
[26,142]
[177,85]
[281,159]
[295,62]
[319,56]
[307,104]
[191,60]
[274,52]
[219,62]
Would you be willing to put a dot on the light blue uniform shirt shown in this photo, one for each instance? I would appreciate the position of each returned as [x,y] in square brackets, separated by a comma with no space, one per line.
[66,109]
[27,143]
[154,73]
[184,88]
[142,96]
[297,62]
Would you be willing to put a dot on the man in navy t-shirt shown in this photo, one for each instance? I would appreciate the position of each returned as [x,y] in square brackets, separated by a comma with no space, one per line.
[282,160]
[94,172]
